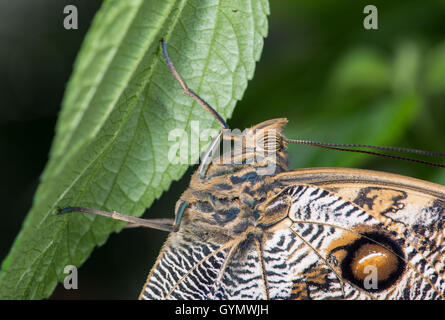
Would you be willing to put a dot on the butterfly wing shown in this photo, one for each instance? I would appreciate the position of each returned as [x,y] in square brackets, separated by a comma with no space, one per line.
[323,234]
[190,269]
[357,234]
[185,270]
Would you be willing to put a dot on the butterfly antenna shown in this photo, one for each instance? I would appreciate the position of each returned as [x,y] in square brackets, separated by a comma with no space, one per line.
[187,90]
[346,147]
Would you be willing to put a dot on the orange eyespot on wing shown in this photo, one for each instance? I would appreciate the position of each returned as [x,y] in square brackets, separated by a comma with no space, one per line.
[374,257]
[371,255]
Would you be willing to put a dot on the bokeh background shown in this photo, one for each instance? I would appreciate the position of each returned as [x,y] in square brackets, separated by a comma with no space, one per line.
[333,80]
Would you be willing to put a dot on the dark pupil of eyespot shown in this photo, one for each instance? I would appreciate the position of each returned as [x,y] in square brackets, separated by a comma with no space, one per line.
[374,262]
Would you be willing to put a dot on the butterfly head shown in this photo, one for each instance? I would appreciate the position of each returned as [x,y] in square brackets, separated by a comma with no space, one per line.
[260,147]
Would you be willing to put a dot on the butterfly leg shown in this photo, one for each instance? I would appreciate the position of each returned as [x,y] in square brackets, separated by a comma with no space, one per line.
[159,224]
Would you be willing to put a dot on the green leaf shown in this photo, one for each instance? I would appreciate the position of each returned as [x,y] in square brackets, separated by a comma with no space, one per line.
[111,144]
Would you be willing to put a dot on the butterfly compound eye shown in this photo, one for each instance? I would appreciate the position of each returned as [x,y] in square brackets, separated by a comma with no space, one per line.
[374,262]
[268,140]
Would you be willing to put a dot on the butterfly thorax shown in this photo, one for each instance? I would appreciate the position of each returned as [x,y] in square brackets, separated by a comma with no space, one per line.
[224,204]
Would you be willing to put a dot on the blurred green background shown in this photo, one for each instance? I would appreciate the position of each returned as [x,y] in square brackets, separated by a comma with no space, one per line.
[333,80]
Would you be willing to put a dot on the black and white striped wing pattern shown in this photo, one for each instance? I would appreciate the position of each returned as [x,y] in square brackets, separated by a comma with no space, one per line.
[324,247]
[198,271]
[186,270]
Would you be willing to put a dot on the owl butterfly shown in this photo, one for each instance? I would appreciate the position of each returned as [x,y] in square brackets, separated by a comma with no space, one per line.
[245,231]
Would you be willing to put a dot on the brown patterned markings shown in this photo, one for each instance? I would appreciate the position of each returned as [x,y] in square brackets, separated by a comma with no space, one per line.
[318,275]
[274,210]
[438,208]
[314,280]
[299,291]
[376,200]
